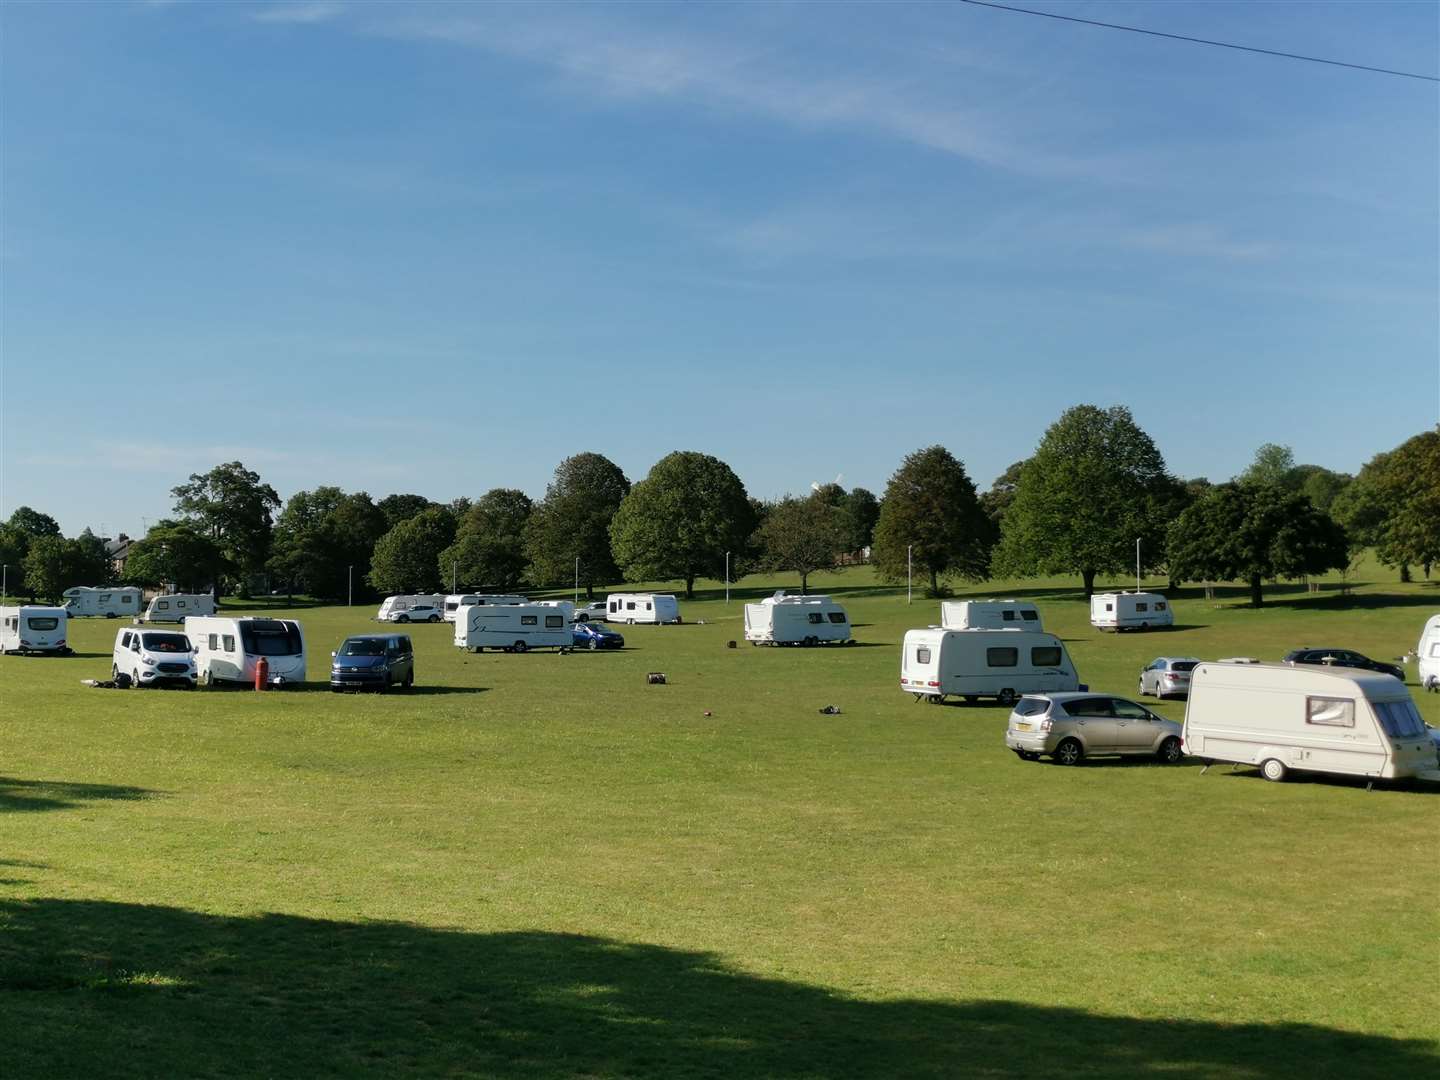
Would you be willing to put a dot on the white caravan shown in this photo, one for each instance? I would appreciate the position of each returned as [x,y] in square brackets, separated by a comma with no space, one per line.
[1428,654]
[566,606]
[642,608]
[228,650]
[1003,664]
[153,658]
[177,607]
[1130,611]
[989,615]
[1306,717]
[34,630]
[392,606]
[110,602]
[796,620]
[511,627]
[456,601]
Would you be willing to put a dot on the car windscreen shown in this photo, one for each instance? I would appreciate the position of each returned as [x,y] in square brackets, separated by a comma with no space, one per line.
[270,638]
[176,643]
[1031,706]
[1400,719]
[41,622]
[363,647]
[1184,665]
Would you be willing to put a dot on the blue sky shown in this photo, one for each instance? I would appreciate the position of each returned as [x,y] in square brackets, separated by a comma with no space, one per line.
[439,248]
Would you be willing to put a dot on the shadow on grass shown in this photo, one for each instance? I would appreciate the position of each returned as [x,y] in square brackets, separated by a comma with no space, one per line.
[31,795]
[1301,778]
[188,994]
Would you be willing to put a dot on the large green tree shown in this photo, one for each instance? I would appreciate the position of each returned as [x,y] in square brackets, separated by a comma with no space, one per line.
[177,554]
[997,500]
[324,539]
[931,513]
[54,564]
[573,522]
[1095,485]
[1394,503]
[407,558]
[398,508]
[14,545]
[489,548]
[802,536]
[678,523]
[33,523]
[1255,531]
[231,505]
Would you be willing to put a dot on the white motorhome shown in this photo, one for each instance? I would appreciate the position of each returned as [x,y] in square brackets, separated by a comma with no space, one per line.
[177,607]
[1427,653]
[567,606]
[642,608]
[392,606]
[1130,611]
[1003,664]
[228,650]
[512,627]
[152,658]
[796,620]
[34,630]
[456,601]
[989,615]
[107,601]
[1306,717]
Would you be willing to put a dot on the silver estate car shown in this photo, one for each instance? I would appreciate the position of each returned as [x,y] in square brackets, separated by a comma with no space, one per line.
[1167,675]
[1072,726]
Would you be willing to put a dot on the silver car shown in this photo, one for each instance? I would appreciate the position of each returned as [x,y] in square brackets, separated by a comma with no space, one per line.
[1167,676]
[1072,726]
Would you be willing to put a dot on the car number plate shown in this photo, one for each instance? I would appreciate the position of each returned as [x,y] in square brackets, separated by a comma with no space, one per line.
[1022,727]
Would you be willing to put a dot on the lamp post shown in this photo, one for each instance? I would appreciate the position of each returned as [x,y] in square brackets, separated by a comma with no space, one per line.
[909,573]
[1137,564]
[577,579]
[350,586]
[727,578]
[5,582]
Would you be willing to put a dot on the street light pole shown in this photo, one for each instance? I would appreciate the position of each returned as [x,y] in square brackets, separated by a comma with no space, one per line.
[1137,564]
[727,577]
[577,579]
[909,573]
[350,587]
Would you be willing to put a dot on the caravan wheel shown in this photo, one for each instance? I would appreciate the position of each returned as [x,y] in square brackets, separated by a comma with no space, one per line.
[520,646]
[1274,770]
[1006,697]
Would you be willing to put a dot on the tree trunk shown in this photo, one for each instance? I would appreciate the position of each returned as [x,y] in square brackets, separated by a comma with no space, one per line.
[690,587]
[589,590]
[1405,572]
[934,583]
[804,577]
[1088,577]
[1257,599]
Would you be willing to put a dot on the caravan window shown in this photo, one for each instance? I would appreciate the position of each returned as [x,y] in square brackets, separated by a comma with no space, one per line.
[127,599]
[649,606]
[1435,649]
[271,637]
[529,620]
[162,605]
[922,654]
[229,643]
[1400,719]
[42,622]
[214,642]
[837,616]
[1045,656]
[1109,607]
[629,605]
[1159,605]
[1330,712]
[814,617]
[554,620]
[1007,616]
[1006,656]
[104,597]
[1140,606]
[1029,616]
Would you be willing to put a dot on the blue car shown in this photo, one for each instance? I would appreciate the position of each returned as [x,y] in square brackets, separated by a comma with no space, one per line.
[588,635]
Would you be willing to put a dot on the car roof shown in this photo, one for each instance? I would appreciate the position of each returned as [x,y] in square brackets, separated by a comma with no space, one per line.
[1195,658]
[375,637]
[1074,695]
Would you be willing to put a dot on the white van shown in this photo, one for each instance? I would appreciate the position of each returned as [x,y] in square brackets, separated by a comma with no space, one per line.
[392,606]
[1003,664]
[177,607]
[989,615]
[34,630]
[108,601]
[512,627]
[153,658]
[642,608]
[456,601]
[1301,716]
[1427,654]
[1130,611]
[227,650]
[796,620]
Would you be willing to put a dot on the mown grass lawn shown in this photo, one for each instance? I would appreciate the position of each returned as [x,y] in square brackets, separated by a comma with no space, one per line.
[540,865]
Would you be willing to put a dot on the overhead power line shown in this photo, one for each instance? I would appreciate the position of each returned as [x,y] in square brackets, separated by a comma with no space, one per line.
[1203,41]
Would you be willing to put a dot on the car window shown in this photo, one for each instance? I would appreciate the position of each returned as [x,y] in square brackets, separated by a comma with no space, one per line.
[1028,706]
[1128,710]
[1089,707]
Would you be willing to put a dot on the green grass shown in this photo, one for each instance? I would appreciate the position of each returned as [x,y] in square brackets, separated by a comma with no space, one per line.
[554,869]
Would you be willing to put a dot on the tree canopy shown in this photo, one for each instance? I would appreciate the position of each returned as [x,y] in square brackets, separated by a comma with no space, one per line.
[573,522]
[323,541]
[489,548]
[407,558]
[236,510]
[398,508]
[930,508]
[54,564]
[174,553]
[804,535]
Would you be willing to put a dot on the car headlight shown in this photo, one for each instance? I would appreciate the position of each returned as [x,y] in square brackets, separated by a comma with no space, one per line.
[148,661]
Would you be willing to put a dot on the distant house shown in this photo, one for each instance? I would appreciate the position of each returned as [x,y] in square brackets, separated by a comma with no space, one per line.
[117,551]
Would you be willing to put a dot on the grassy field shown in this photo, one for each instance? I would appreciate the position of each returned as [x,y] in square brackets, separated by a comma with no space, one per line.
[540,865]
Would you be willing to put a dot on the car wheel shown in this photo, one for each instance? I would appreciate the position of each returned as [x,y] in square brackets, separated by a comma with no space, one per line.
[433,618]
[135,678]
[1170,751]
[1069,752]
[1143,692]
[114,673]
[971,699]
[402,618]
[1274,770]
[594,644]
[629,622]
[520,646]
[582,617]
[1006,697]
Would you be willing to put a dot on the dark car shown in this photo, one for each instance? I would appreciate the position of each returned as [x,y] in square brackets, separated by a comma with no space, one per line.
[1347,658]
[373,662]
[588,635]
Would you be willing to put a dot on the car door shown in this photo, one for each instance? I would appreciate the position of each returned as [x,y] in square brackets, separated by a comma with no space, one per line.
[1134,726]
[401,659]
[1150,678]
[1095,720]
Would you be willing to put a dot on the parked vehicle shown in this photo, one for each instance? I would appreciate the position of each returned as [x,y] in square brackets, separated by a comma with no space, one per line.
[566,606]
[177,607]
[1003,664]
[1428,655]
[152,658]
[107,601]
[228,650]
[34,630]
[373,662]
[1072,727]
[595,611]
[418,612]
[1130,611]
[1343,658]
[1167,676]
[796,620]
[989,615]
[1296,716]
[642,608]
[393,604]
[586,635]
[511,628]
[455,601]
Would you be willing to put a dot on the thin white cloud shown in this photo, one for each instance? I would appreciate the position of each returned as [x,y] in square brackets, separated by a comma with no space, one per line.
[305,13]
[1196,240]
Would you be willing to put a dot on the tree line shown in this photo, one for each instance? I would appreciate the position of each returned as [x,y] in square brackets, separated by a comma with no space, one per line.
[1095,484]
